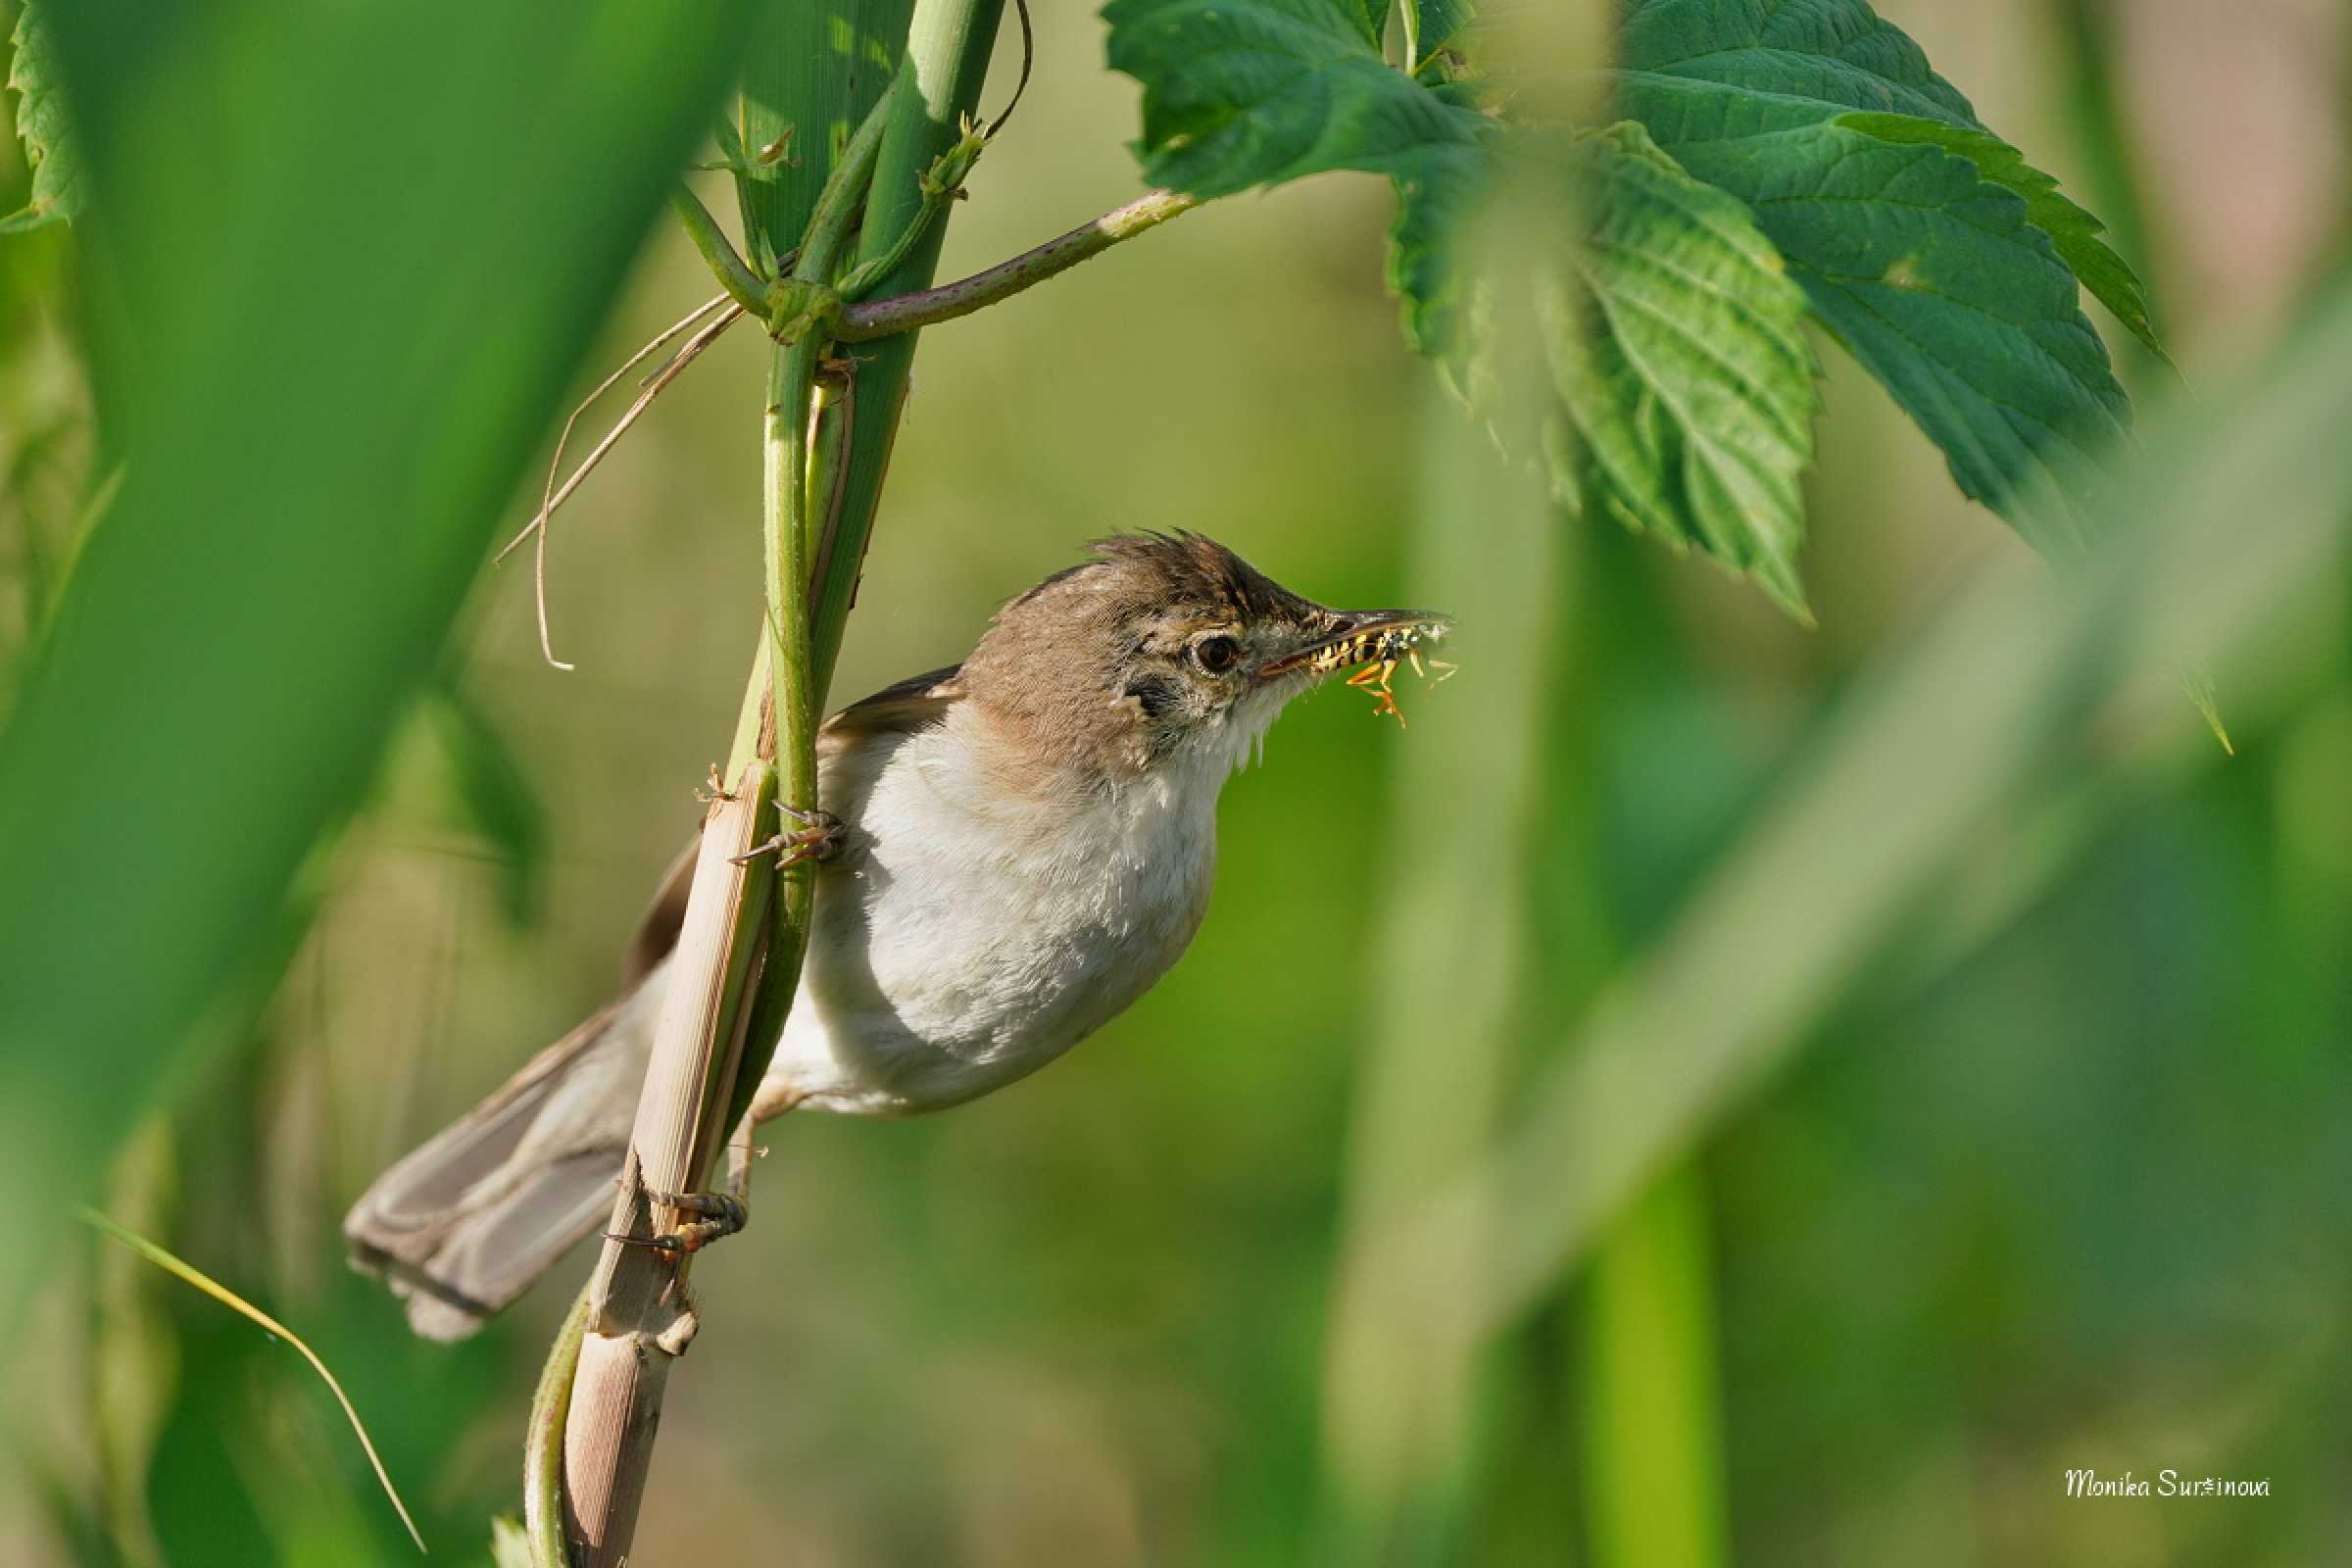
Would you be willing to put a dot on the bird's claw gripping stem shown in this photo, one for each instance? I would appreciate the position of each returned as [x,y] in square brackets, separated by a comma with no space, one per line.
[817,837]
[719,1214]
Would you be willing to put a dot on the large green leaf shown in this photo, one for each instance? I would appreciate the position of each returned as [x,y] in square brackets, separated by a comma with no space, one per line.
[1934,279]
[2072,228]
[1240,93]
[1678,387]
[43,126]
[1804,61]
[1927,267]
[1674,338]
[347,259]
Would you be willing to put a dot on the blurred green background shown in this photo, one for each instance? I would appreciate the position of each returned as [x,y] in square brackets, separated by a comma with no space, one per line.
[2053,1176]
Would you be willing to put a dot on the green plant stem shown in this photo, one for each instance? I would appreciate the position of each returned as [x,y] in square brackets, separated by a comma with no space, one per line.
[939,79]
[543,1445]
[793,689]
[942,185]
[784,517]
[786,506]
[876,319]
[947,55]
[785,503]
[636,1326]
[745,286]
[612,1372]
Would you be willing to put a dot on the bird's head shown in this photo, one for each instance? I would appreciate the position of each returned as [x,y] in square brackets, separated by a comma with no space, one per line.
[1166,649]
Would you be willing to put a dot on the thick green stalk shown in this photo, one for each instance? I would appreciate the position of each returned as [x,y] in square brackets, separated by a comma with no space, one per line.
[802,311]
[946,58]
[795,691]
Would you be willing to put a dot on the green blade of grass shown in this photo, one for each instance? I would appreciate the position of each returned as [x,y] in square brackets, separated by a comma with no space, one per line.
[192,1275]
[302,507]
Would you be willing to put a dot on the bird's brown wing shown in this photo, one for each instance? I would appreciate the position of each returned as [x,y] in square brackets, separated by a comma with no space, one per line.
[908,706]
[904,706]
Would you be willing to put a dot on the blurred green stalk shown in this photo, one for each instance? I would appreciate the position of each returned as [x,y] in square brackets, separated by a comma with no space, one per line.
[1651,1419]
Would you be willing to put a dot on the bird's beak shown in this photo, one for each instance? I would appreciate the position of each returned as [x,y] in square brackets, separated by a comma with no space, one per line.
[1340,639]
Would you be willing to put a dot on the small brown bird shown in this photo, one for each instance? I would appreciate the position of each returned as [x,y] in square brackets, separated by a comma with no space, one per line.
[1026,845]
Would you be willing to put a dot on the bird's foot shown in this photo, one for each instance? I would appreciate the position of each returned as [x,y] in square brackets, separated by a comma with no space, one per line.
[719,1215]
[817,836]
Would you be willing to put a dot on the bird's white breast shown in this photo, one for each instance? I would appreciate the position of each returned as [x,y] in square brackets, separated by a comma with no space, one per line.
[972,932]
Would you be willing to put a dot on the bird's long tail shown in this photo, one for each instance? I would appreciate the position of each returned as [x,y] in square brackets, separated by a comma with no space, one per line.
[469,1220]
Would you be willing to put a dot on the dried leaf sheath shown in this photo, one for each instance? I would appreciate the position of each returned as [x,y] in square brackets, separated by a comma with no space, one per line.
[641,1317]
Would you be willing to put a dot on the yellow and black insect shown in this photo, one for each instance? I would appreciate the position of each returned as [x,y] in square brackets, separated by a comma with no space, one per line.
[1380,650]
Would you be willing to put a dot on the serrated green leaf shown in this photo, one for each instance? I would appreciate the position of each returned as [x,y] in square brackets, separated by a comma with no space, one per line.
[1239,93]
[2072,228]
[1785,64]
[1434,200]
[1933,276]
[1934,279]
[1675,344]
[43,126]
[1672,344]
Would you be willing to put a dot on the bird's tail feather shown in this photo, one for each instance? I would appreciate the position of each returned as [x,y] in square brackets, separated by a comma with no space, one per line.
[469,1220]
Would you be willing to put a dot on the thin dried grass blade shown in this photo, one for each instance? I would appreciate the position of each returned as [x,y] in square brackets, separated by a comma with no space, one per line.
[553,498]
[231,1299]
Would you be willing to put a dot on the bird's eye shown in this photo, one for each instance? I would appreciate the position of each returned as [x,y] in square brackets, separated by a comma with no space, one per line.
[1217,655]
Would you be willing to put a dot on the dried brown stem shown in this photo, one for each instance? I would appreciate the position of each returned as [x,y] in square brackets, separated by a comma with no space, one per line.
[640,1314]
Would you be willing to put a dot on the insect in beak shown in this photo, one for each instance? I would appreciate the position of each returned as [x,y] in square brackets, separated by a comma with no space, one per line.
[1379,640]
